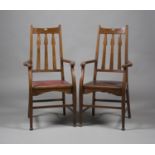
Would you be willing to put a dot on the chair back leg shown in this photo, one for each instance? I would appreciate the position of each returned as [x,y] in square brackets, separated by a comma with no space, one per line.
[81,106]
[74,107]
[128,102]
[64,108]
[93,103]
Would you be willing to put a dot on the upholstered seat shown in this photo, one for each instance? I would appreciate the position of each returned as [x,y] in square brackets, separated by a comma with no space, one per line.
[113,87]
[103,85]
[51,84]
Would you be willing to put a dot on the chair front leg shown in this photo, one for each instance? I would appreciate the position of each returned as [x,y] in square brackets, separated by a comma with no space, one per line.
[74,106]
[81,93]
[31,110]
[74,92]
[29,103]
[72,65]
[81,106]
[123,110]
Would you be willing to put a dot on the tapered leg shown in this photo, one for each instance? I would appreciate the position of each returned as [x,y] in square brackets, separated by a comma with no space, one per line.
[123,111]
[93,103]
[64,108]
[128,102]
[74,108]
[31,111]
[81,106]
[29,105]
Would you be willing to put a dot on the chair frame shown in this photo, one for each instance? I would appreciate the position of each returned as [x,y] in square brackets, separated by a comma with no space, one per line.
[123,92]
[37,91]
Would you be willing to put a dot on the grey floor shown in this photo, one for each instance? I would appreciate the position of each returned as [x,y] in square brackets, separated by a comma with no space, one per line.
[52,127]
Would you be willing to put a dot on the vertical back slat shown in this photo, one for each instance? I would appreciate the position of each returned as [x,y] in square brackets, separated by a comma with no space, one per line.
[46,51]
[119,51]
[112,52]
[47,37]
[38,51]
[53,52]
[104,52]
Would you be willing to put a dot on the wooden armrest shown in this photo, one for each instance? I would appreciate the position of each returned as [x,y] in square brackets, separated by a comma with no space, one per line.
[87,62]
[129,64]
[72,63]
[83,70]
[28,64]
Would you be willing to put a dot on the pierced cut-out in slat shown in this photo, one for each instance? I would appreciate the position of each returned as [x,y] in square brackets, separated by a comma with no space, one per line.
[119,51]
[112,52]
[104,51]
[53,52]
[38,51]
[46,52]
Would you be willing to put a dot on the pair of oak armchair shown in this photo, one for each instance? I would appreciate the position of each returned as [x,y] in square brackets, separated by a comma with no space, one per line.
[46,36]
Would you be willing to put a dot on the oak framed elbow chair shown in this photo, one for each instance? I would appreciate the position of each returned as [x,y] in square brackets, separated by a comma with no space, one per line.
[119,88]
[46,37]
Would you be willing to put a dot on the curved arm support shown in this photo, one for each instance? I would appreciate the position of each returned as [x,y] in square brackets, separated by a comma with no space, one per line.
[125,73]
[28,64]
[83,70]
[72,65]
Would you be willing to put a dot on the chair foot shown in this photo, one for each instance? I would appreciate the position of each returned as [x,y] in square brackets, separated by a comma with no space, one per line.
[93,114]
[123,129]
[80,125]
[129,116]
[31,129]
